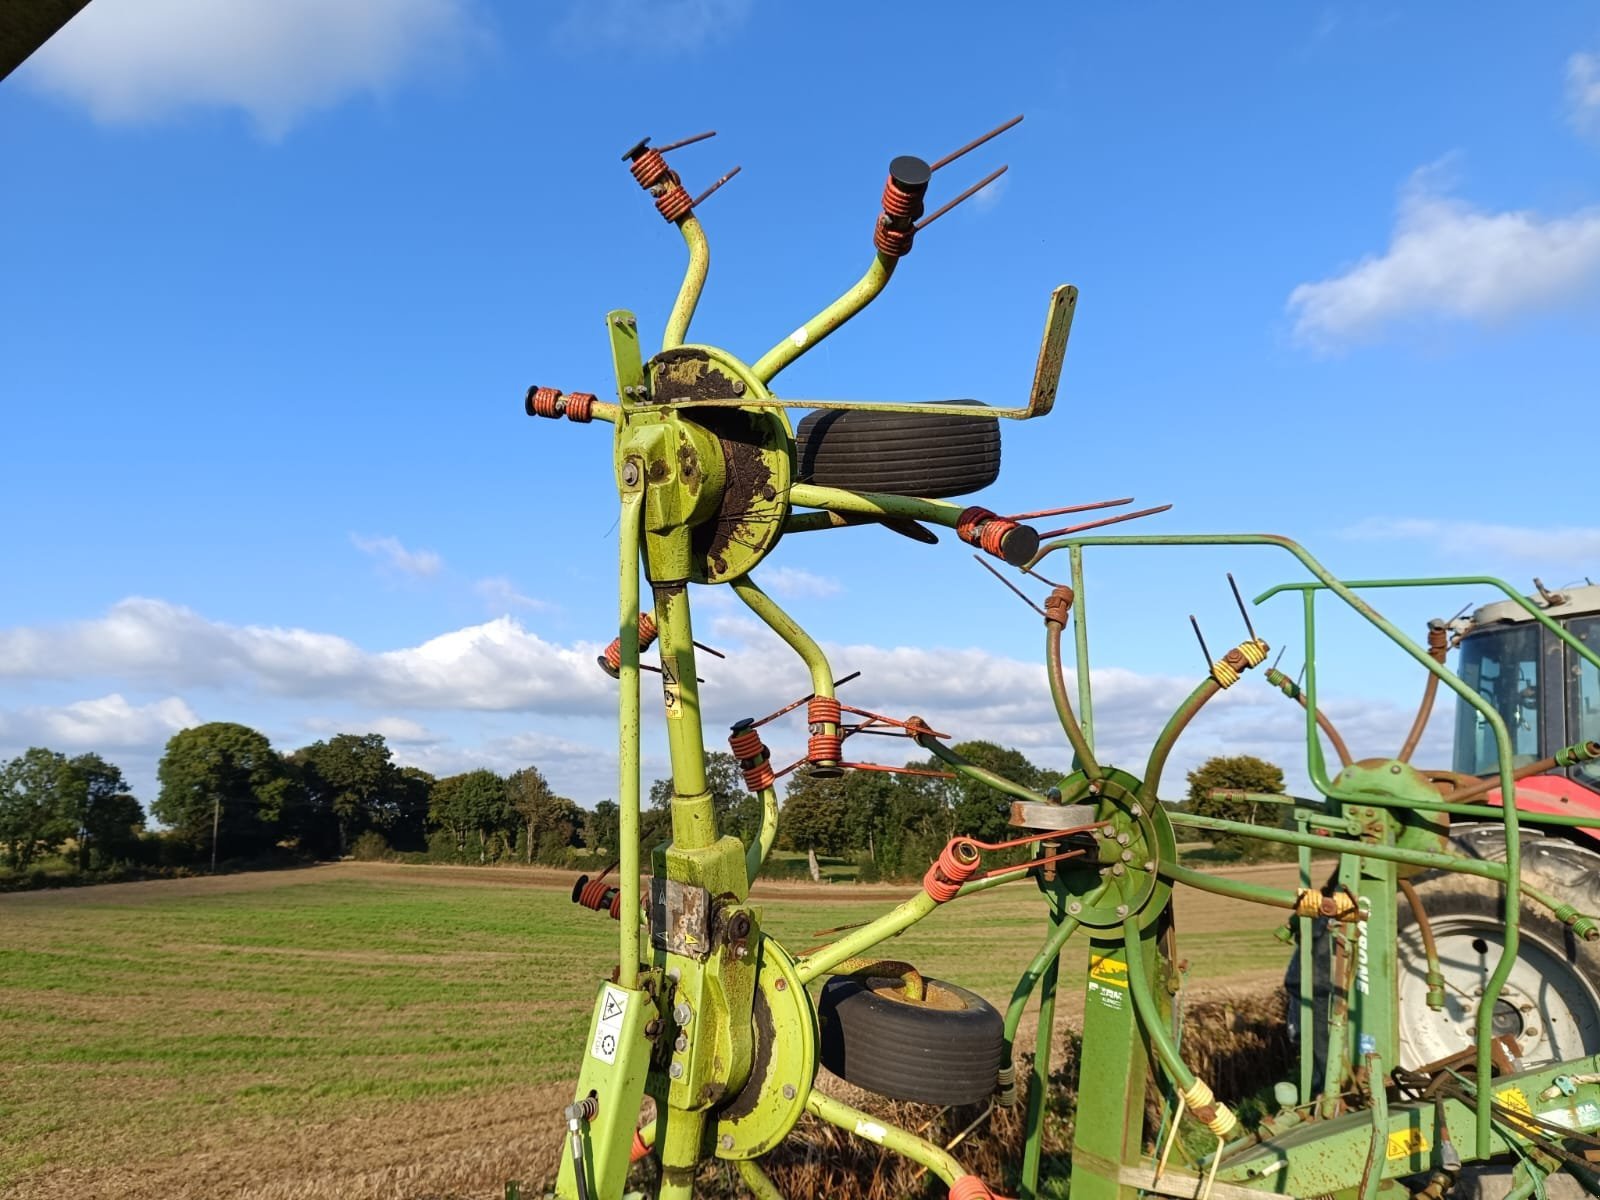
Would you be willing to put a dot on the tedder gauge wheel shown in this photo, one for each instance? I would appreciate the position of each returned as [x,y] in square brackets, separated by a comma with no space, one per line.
[945,1049]
[1550,1003]
[902,454]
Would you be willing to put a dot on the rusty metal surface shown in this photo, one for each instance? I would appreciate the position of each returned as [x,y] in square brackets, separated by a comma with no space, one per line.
[680,918]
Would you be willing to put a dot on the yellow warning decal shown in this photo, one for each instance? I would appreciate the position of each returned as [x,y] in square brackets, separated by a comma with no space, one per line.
[1108,970]
[1514,1099]
[1407,1142]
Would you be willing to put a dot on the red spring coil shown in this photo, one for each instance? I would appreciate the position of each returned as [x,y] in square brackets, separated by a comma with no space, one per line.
[598,895]
[823,710]
[970,1187]
[957,863]
[892,242]
[824,748]
[755,760]
[544,402]
[897,202]
[613,653]
[648,168]
[641,1148]
[977,526]
[674,203]
[580,407]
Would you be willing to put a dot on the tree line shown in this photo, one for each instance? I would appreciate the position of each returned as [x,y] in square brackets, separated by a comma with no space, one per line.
[226,795]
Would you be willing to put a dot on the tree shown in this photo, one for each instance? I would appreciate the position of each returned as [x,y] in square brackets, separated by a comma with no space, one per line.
[976,809]
[229,774]
[1240,773]
[813,816]
[474,804]
[352,785]
[105,817]
[38,796]
[409,830]
[738,811]
[603,829]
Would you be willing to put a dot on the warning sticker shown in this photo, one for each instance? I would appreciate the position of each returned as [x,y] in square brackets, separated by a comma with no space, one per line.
[1407,1142]
[671,687]
[1514,1099]
[1109,994]
[608,1031]
[1108,970]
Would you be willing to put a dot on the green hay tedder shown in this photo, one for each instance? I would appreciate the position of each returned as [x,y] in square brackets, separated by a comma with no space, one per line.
[718,1023]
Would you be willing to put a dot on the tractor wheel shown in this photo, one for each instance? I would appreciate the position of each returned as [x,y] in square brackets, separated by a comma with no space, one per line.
[902,454]
[1551,1002]
[944,1050]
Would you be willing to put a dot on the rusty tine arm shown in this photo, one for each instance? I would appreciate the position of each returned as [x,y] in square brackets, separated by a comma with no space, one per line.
[1133,516]
[970,192]
[1201,638]
[1070,508]
[1020,595]
[976,142]
[1244,612]
[688,141]
[703,196]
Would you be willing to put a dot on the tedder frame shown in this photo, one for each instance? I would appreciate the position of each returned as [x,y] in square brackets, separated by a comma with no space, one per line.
[713,1019]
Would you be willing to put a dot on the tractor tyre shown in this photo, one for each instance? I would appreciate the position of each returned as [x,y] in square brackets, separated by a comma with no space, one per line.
[901,454]
[944,1050]
[1551,1001]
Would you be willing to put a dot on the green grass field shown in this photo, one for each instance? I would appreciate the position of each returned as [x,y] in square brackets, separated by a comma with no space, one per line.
[253,1035]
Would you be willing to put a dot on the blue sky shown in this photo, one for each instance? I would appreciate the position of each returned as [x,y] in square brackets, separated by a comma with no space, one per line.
[276,278]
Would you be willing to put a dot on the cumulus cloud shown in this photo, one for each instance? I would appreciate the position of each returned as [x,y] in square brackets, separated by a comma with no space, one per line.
[1565,544]
[794,581]
[1449,259]
[662,25]
[134,61]
[421,563]
[1583,92]
[501,666]
[107,723]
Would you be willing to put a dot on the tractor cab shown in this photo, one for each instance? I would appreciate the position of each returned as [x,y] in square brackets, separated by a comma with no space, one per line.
[1548,696]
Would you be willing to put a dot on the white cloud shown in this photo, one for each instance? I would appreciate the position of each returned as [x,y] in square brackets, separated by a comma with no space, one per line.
[109,722]
[1448,259]
[1583,92]
[659,26]
[132,61]
[1550,544]
[399,730]
[422,563]
[496,665]
[500,666]
[501,595]
[794,581]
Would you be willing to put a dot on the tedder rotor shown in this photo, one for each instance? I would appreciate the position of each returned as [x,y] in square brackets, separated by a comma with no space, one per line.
[717,1022]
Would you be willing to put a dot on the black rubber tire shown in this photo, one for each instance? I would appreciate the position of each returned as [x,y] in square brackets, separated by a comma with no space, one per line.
[902,454]
[925,1052]
[1568,871]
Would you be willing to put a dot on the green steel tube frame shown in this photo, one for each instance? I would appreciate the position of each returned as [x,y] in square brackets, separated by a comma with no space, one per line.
[628,741]
[1317,768]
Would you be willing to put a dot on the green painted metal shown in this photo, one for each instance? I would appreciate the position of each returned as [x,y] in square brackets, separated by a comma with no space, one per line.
[1080,641]
[628,738]
[694,282]
[785,626]
[756,852]
[615,1061]
[860,294]
[1236,889]
[1077,737]
[858,941]
[1043,1043]
[881,1133]
[1577,645]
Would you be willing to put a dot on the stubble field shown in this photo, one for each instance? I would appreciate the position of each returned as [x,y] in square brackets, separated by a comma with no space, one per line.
[361,1031]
